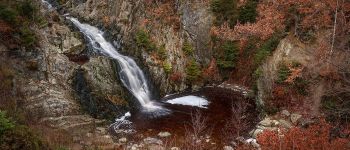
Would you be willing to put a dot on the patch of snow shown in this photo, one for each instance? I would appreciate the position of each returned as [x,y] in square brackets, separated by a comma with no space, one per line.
[190,101]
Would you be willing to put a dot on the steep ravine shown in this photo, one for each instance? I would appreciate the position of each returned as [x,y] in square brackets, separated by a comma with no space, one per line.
[122,19]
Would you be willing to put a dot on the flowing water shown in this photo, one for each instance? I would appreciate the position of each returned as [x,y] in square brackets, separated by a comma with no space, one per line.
[130,74]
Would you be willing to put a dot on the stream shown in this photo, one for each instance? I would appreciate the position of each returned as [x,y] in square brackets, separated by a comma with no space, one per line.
[173,113]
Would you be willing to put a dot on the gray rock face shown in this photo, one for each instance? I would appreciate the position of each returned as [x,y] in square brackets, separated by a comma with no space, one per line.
[295,118]
[124,17]
[99,90]
[285,113]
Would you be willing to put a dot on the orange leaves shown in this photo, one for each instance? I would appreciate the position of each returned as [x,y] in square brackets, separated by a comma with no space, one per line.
[316,136]
[295,72]
[270,20]
[212,72]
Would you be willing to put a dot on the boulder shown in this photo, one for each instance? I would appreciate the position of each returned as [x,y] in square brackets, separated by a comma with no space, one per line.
[285,124]
[285,113]
[150,140]
[164,134]
[295,118]
[267,122]
[228,148]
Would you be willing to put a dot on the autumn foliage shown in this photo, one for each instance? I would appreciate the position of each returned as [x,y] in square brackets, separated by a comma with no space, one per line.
[315,137]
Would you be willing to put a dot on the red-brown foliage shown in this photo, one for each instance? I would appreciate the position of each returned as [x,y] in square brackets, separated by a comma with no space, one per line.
[176,77]
[212,72]
[315,137]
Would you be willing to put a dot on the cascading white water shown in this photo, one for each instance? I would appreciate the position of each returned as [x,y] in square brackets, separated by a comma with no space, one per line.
[130,74]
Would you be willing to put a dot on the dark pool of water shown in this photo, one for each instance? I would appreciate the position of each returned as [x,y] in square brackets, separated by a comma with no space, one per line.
[217,115]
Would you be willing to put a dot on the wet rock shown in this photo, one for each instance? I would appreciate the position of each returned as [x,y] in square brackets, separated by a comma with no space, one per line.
[295,118]
[285,124]
[123,140]
[164,134]
[174,148]
[267,122]
[156,147]
[285,113]
[228,148]
[101,130]
[150,140]
[256,132]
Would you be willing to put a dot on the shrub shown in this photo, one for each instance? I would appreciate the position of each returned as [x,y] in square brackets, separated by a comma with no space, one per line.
[301,86]
[167,67]
[192,71]
[162,52]
[316,136]
[5,124]
[225,11]
[187,48]
[8,14]
[283,73]
[267,48]
[143,40]
[248,13]
[28,37]
[228,59]
[27,9]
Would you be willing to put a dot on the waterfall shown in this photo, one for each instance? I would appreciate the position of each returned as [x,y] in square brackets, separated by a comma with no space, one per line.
[130,74]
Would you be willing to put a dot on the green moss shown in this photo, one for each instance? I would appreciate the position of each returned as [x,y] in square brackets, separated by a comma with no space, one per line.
[187,48]
[192,71]
[248,13]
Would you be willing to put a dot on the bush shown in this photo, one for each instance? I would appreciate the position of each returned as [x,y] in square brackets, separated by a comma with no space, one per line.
[316,136]
[267,48]
[27,9]
[225,11]
[8,14]
[192,71]
[167,67]
[28,37]
[5,124]
[162,53]
[143,40]
[228,59]
[248,13]
[283,73]
[187,48]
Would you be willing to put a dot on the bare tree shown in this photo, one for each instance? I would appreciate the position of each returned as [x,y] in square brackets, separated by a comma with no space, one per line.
[195,130]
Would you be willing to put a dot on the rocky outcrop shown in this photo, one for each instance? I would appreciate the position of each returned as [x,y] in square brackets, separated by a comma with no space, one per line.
[99,90]
[125,18]
[288,50]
